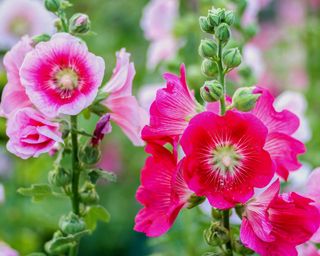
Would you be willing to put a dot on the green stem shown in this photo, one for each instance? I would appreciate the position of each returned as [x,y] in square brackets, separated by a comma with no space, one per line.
[221,79]
[226,224]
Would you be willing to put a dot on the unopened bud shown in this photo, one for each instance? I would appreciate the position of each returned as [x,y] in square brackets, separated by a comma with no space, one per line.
[71,224]
[229,18]
[79,23]
[216,234]
[211,91]
[232,58]
[205,26]
[52,5]
[90,155]
[216,16]
[89,195]
[59,177]
[209,68]
[244,99]
[208,49]
[223,32]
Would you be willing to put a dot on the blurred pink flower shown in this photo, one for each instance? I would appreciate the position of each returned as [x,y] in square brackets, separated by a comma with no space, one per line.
[14,95]
[66,81]
[308,249]
[147,94]
[111,157]
[292,12]
[125,110]
[6,250]
[253,57]
[31,134]
[23,17]
[158,22]
[253,8]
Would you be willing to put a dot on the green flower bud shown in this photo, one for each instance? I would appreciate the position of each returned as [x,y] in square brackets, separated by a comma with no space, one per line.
[40,38]
[79,23]
[71,224]
[90,155]
[216,214]
[211,91]
[216,234]
[195,200]
[223,32]
[244,99]
[232,58]
[52,5]
[216,16]
[89,195]
[205,26]
[59,177]
[209,68]
[230,18]
[208,49]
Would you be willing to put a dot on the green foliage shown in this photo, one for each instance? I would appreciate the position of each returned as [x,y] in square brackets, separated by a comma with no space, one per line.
[94,214]
[37,191]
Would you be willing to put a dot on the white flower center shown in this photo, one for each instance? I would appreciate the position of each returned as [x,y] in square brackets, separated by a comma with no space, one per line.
[66,79]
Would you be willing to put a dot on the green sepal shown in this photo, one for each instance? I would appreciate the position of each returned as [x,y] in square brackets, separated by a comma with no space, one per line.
[95,174]
[94,214]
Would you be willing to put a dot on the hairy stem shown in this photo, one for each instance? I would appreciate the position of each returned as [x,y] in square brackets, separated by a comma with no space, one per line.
[221,79]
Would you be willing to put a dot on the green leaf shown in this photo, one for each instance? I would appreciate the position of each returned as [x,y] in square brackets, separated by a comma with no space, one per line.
[95,174]
[37,254]
[94,214]
[36,191]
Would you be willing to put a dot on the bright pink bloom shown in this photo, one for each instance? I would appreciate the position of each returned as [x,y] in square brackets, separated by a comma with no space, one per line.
[163,192]
[6,250]
[23,17]
[225,159]
[61,76]
[14,96]
[103,127]
[125,110]
[275,224]
[280,144]
[172,109]
[31,134]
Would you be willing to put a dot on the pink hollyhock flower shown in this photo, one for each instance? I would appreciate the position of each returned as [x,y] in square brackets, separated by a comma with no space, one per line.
[31,134]
[6,250]
[162,50]
[292,12]
[308,249]
[172,109]
[274,224]
[14,96]
[225,159]
[125,110]
[23,17]
[158,18]
[103,127]
[61,76]
[280,144]
[163,192]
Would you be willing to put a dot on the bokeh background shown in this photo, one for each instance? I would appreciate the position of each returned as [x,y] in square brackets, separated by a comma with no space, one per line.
[282,53]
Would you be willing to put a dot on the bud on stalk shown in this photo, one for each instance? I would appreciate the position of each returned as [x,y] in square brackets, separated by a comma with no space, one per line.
[208,49]
[211,91]
[79,23]
[244,99]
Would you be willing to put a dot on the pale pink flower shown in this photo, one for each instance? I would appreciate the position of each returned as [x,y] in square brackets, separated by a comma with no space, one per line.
[308,249]
[14,96]
[147,94]
[31,134]
[6,250]
[23,17]
[292,12]
[158,18]
[111,157]
[274,224]
[61,76]
[125,110]
[253,57]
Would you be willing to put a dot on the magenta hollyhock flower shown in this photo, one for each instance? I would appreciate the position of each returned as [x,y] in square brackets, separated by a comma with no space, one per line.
[280,144]
[274,224]
[103,127]
[23,17]
[163,192]
[172,109]
[61,76]
[125,110]
[6,250]
[14,96]
[225,157]
[31,134]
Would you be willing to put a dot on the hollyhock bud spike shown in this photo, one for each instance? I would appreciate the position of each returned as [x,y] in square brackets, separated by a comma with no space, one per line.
[208,49]
[209,68]
[205,26]
[244,99]
[223,33]
[52,5]
[216,234]
[232,58]
[211,91]
[71,224]
[79,24]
